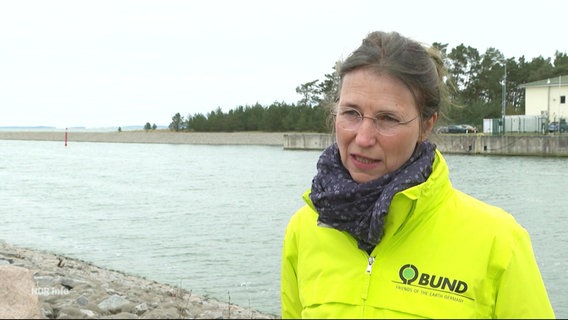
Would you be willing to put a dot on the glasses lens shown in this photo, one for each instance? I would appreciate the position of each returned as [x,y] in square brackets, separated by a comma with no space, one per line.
[385,127]
[351,120]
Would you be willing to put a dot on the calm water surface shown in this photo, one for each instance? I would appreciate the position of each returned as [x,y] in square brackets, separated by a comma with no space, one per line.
[211,218]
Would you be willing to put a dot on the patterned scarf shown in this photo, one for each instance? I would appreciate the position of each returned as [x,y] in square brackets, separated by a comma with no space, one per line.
[360,208]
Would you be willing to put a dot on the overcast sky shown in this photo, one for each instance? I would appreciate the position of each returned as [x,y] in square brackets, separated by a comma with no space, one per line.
[119,63]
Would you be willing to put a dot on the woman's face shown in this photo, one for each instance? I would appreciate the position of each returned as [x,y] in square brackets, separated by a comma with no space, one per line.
[365,152]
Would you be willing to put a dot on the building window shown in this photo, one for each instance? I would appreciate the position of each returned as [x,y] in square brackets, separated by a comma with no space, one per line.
[562,99]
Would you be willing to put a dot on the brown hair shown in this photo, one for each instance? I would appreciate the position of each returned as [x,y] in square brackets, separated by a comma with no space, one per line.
[419,67]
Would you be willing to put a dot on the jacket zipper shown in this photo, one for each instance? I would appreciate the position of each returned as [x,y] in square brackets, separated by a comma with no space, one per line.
[370,265]
[365,292]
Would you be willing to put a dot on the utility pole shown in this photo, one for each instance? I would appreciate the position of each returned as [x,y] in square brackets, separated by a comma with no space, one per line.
[504,97]
[548,104]
[559,93]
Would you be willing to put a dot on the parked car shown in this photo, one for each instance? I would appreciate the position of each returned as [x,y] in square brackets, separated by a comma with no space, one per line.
[469,129]
[442,129]
[457,128]
[556,127]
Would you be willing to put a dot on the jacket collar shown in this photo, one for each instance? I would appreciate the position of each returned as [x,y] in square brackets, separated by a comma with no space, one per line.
[419,201]
[413,203]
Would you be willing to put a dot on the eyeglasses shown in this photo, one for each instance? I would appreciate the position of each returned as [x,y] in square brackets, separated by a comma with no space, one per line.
[385,124]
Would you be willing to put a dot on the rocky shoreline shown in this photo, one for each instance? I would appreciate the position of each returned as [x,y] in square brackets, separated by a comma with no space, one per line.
[67,288]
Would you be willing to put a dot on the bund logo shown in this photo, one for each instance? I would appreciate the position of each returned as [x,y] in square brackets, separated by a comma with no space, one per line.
[410,275]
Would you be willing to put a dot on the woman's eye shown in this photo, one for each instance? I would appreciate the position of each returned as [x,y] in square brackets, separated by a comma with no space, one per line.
[350,113]
[386,118]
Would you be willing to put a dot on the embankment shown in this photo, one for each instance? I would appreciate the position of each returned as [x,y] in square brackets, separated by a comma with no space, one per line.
[68,288]
[550,145]
[159,136]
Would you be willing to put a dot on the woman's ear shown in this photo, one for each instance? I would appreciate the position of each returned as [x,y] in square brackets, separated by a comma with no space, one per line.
[428,126]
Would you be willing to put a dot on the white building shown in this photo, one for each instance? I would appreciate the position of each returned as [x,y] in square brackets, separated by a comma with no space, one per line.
[547,98]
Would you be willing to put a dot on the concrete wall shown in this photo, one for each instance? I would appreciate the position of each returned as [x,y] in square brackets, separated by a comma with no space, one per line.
[511,145]
[307,141]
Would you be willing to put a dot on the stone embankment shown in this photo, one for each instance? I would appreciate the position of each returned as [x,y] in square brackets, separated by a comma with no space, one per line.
[158,136]
[66,288]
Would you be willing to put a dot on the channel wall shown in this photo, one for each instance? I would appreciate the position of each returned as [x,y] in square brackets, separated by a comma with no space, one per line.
[552,145]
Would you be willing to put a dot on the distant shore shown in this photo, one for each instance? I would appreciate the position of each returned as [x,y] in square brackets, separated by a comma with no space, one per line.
[151,136]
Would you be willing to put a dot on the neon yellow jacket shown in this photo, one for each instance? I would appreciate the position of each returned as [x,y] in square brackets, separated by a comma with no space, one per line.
[444,254]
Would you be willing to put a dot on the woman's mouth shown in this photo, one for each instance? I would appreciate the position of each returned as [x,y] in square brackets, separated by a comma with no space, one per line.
[363,162]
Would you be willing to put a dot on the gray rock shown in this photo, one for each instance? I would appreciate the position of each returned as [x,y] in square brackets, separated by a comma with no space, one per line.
[68,312]
[82,301]
[141,308]
[163,313]
[46,311]
[212,314]
[123,315]
[88,313]
[68,283]
[113,304]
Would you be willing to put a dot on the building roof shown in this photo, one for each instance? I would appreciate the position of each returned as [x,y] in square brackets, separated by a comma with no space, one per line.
[550,82]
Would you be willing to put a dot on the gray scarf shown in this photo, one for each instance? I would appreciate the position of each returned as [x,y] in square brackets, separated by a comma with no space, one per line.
[360,208]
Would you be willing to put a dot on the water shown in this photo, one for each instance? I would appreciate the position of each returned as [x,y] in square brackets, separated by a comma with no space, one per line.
[211,218]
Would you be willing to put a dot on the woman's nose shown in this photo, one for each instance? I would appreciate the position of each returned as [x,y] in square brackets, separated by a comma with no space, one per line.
[366,134]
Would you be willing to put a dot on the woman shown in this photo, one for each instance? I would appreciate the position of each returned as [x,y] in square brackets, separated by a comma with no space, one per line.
[383,233]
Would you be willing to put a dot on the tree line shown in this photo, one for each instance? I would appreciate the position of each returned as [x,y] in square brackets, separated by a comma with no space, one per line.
[479,82]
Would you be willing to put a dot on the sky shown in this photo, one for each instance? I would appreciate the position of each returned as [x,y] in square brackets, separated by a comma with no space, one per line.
[120,63]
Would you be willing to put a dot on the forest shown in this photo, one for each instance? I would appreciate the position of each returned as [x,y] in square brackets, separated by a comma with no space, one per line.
[480,83]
